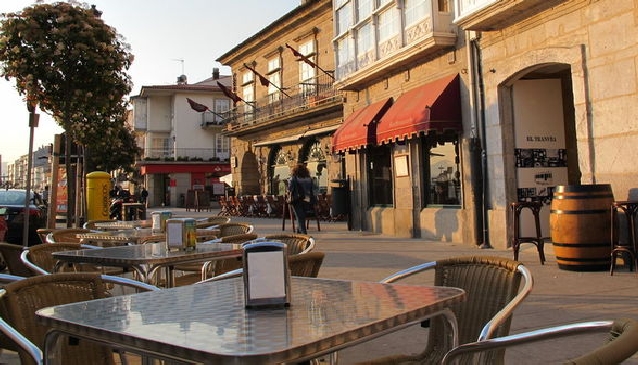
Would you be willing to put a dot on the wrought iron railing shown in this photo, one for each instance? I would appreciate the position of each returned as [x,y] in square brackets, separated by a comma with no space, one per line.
[184,154]
[307,95]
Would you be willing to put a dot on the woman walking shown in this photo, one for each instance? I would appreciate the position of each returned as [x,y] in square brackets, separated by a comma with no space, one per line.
[302,198]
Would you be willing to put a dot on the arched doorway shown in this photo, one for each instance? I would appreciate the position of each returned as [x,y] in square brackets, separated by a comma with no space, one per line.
[544,137]
[278,171]
[314,156]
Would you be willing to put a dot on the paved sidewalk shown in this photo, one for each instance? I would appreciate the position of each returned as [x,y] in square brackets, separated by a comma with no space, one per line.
[559,296]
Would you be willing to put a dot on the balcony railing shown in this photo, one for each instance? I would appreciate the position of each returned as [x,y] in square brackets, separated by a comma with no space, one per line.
[184,154]
[315,93]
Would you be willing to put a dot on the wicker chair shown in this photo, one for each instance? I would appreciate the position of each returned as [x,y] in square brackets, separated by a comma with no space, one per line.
[39,259]
[296,243]
[304,264]
[43,233]
[91,225]
[493,289]
[621,344]
[235,228]
[199,271]
[68,235]
[17,308]
[11,255]
[212,221]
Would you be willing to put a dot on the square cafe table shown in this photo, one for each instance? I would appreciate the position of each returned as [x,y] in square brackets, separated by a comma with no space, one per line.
[148,258]
[117,237]
[207,323]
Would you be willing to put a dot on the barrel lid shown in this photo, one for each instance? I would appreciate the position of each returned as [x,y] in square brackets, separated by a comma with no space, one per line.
[582,188]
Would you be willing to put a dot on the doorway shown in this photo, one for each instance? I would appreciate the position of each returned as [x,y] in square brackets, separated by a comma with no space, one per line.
[544,138]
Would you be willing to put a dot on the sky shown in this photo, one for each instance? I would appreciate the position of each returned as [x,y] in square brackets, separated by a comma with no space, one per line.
[168,38]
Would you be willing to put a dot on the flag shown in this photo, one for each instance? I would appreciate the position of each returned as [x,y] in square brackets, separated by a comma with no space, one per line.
[196,106]
[229,94]
[301,57]
[262,79]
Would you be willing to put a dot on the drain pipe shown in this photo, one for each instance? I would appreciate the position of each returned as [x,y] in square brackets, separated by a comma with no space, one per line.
[479,155]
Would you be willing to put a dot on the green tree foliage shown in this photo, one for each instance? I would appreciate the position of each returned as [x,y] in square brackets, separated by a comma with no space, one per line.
[66,59]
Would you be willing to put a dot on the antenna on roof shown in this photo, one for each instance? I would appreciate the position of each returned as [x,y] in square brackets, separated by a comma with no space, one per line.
[182,62]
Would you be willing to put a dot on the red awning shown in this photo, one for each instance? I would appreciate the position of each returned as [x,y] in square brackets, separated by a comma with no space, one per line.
[433,107]
[358,130]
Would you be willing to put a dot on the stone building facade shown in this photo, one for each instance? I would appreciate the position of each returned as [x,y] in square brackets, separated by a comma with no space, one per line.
[560,89]
[448,111]
[287,106]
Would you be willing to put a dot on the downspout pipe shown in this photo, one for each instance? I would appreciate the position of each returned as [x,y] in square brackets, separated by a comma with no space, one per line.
[481,184]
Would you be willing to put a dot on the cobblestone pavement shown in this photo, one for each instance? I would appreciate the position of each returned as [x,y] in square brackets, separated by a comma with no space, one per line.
[559,296]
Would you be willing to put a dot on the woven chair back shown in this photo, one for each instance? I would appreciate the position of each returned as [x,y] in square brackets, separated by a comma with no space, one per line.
[234,228]
[23,298]
[306,264]
[490,283]
[11,255]
[68,235]
[296,243]
[43,232]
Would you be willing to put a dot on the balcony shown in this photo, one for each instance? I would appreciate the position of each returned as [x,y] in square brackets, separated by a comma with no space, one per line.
[183,154]
[431,33]
[489,15]
[309,98]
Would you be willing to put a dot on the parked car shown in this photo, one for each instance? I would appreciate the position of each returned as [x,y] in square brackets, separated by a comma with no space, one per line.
[12,208]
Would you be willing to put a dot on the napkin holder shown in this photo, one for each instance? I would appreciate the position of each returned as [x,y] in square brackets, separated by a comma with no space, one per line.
[159,220]
[266,275]
[181,233]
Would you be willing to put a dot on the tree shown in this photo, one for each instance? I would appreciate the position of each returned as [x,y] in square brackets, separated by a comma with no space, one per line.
[66,59]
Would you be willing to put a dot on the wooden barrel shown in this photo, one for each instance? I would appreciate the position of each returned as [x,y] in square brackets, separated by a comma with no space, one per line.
[580,226]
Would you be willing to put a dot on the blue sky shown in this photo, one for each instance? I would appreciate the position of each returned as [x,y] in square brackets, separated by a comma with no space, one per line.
[161,34]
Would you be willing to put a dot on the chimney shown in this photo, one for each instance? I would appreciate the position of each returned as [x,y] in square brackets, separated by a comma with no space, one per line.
[181,80]
[215,73]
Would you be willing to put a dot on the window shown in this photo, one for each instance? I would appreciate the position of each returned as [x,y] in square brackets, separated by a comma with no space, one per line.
[415,11]
[160,147]
[280,174]
[345,56]
[274,93]
[247,77]
[248,94]
[274,78]
[364,9]
[344,18]
[307,49]
[222,146]
[380,172]
[442,183]
[222,106]
[388,24]
[316,163]
[365,46]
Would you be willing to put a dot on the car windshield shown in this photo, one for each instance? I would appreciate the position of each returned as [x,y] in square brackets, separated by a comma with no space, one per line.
[9,197]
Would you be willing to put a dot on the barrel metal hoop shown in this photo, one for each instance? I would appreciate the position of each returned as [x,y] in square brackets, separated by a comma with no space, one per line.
[590,211]
[587,245]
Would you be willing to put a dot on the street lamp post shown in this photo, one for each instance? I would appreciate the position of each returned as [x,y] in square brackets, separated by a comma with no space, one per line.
[33,122]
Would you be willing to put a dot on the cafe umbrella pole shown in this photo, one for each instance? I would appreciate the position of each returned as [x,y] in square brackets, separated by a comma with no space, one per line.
[33,122]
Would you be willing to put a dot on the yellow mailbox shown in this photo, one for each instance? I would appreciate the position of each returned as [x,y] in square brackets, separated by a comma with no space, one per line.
[98,185]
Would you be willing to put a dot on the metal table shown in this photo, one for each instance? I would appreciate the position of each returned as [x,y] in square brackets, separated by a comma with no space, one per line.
[148,258]
[121,225]
[207,323]
[115,237]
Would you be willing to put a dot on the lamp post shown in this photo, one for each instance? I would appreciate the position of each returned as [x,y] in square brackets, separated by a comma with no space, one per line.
[34,118]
